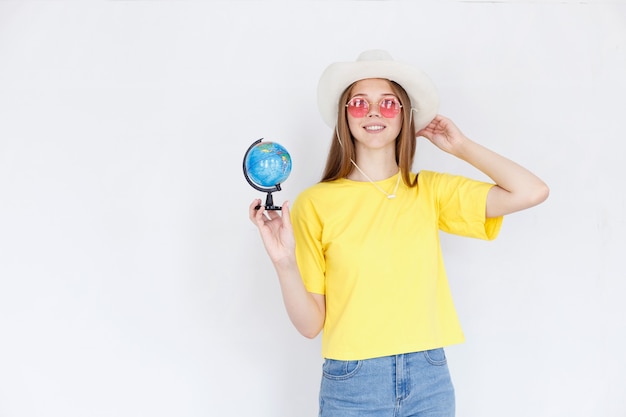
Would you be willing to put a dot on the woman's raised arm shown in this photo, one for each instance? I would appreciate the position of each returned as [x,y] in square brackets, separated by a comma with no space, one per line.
[516,187]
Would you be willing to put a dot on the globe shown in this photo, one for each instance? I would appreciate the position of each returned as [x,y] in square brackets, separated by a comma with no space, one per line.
[266,165]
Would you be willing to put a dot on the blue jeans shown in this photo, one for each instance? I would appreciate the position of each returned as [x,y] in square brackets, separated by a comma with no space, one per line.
[408,385]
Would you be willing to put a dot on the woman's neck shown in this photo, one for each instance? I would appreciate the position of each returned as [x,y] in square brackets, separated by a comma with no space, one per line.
[376,166]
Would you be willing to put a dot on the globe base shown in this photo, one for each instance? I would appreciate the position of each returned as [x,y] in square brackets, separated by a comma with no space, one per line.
[269,203]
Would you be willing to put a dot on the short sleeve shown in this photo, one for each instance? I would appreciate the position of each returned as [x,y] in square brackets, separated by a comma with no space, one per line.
[462,206]
[307,229]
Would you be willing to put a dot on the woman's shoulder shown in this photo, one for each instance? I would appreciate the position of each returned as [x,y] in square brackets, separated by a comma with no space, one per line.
[322,188]
[426,178]
[427,175]
[318,197]
[447,184]
[434,177]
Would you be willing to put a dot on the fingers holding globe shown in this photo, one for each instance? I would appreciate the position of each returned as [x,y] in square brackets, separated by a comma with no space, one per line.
[265,166]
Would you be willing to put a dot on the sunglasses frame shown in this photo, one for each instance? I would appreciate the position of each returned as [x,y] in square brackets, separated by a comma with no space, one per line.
[381,110]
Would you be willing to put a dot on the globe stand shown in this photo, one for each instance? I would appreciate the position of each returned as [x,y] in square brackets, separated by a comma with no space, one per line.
[269,200]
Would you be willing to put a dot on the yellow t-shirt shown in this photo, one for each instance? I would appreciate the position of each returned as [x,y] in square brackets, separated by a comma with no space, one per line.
[378,261]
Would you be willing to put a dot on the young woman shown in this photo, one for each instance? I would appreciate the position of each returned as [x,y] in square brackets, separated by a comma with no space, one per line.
[359,255]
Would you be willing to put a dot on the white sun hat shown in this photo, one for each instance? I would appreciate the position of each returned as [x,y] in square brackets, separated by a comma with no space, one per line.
[378,63]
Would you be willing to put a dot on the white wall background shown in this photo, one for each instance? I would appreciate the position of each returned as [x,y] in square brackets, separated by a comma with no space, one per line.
[133,284]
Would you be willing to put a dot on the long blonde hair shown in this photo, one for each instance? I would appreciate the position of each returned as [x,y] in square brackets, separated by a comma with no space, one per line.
[342,148]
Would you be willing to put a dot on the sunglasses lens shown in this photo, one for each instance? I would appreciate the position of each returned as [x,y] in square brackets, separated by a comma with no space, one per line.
[389,107]
[358,107]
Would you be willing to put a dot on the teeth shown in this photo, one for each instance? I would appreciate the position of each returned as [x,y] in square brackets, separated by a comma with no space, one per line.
[374,128]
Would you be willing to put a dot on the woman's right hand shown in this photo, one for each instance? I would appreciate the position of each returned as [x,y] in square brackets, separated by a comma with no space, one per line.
[275,229]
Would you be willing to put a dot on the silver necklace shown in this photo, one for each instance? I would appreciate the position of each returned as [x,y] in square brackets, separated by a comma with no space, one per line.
[389,196]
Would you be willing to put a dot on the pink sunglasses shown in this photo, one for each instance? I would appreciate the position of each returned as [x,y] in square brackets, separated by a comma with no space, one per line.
[388,107]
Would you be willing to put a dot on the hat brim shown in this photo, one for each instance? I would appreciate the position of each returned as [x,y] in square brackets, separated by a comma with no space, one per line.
[338,76]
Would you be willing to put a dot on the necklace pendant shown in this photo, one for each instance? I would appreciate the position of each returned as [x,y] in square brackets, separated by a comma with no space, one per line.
[390,196]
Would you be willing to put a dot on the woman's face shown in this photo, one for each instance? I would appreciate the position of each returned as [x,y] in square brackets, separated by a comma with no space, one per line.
[371,128]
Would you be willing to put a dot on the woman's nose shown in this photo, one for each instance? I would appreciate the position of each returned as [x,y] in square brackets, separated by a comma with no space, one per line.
[374,110]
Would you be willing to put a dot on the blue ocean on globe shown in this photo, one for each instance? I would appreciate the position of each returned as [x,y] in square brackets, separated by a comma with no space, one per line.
[268,164]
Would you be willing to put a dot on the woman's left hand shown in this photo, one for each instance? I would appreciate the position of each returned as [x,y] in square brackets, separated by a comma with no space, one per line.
[443,134]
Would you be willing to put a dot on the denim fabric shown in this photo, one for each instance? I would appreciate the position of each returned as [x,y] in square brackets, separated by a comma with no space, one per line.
[409,385]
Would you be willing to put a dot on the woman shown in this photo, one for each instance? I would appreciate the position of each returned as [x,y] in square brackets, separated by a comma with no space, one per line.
[359,256]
